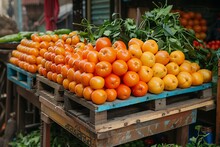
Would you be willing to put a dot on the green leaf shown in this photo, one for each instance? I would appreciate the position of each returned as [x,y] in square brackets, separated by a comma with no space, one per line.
[107,33]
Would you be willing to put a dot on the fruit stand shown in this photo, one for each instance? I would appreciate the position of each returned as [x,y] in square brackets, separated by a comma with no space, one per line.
[107,91]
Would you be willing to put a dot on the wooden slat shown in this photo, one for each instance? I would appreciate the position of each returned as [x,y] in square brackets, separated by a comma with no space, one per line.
[151,115]
[136,100]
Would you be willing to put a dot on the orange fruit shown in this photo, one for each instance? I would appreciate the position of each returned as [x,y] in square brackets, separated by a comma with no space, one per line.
[184,79]
[87,92]
[148,59]
[159,70]
[173,68]
[186,67]
[79,90]
[170,82]
[150,45]
[99,96]
[135,41]
[207,75]
[197,78]
[97,82]
[111,95]
[162,57]
[195,67]
[156,85]
[177,57]
[135,50]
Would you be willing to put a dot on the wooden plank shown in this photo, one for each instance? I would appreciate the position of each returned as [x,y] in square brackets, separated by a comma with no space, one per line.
[135,100]
[21,77]
[117,136]
[217,139]
[141,130]
[29,96]
[20,114]
[46,134]
[151,115]
[74,126]
[45,118]
[55,110]
[182,135]
[56,86]
[49,89]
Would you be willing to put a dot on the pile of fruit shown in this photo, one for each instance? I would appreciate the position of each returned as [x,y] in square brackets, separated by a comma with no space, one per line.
[193,20]
[214,44]
[107,70]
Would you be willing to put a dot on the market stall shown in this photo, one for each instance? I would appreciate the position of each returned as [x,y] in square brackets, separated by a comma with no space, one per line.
[113,84]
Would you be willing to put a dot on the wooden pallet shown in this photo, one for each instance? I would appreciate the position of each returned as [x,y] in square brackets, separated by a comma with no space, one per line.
[21,77]
[99,114]
[49,89]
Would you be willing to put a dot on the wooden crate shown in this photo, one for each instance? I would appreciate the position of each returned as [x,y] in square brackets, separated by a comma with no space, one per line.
[49,89]
[109,112]
[21,77]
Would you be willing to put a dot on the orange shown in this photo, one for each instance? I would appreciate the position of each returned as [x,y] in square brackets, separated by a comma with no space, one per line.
[134,64]
[162,57]
[184,79]
[197,78]
[111,95]
[66,84]
[85,78]
[150,45]
[173,68]
[135,41]
[130,78]
[170,82]
[79,90]
[135,50]
[102,42]
[97,82]
[140,89]
[103,68]
[148,59]
[119,67]
[99,96]
[207,75]
[123,54]
[177,57]
[159,70]
[72,86]
[107,54]
[156,85]
[145,73]
[185,66]
[87,92]
[123,92]
[195,67]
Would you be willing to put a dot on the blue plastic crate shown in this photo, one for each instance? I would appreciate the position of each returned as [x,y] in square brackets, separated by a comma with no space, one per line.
[21,77]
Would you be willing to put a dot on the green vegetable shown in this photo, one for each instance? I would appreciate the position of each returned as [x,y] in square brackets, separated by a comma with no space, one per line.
[26,34]
[10,38]
[62,31]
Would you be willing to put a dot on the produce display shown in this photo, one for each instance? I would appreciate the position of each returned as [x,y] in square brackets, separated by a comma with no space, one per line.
[195,21]
[119,59]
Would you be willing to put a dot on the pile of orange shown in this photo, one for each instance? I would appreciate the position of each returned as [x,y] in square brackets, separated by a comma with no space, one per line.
[108,70]
[26,55]
[195,21]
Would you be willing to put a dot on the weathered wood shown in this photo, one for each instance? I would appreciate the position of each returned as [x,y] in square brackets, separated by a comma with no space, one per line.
[49,89]
[118,136]
[217,139]
[20,114]
[46,134]
[29,96]
[98,117]
[158,104]
[151,115]
[45,118]
[182,135]
[205,93]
